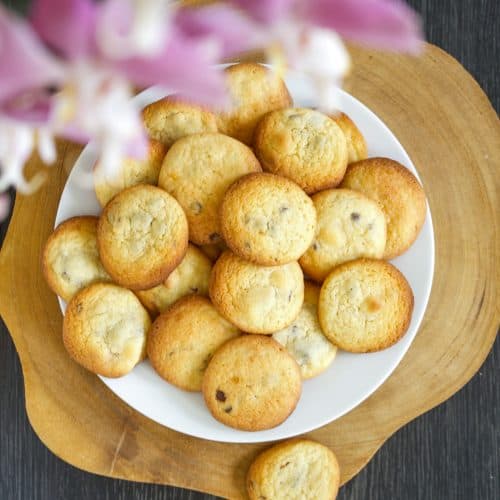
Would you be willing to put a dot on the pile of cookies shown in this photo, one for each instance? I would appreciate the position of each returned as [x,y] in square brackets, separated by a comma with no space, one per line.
[212,236]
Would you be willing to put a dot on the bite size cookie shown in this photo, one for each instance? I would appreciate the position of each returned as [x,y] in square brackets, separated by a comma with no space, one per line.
[252,383]
[171,118]
[365,305]
[304,340]
[255,298]
[267,219]
[183,339]
[298,469]
[399,194]
[303,145]
[255,90]
[350,225]
[191,276]
[104,329]
[197,171]
[356,144]
[142,236]
[70,259]
[131,173]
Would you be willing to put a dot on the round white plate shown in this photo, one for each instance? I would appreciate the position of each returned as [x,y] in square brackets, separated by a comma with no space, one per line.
[349,380]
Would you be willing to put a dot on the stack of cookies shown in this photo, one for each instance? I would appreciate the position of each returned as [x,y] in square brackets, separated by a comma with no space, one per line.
[241,253]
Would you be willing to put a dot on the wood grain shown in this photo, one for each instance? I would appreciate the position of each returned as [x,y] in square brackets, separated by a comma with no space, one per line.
[451,132]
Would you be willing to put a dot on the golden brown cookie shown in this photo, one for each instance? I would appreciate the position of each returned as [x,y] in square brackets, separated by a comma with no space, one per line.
[304,339]
[350,225]
[303,145]
[399,194]
[255,90]
[142,236]
[267,219]
[171,118]
[197,171]
[255,298]
[252,383]
[104,329]
[131,173]
[298,469]
[70,259]
[365,305]
[356,144]
[183,339]
[191,276]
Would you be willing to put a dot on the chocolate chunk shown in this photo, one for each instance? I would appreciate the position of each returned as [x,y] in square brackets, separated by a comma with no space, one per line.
[228,409]
[214,237]
[196,207]
[284,465]
[283,210]
[355,216]
[290,296]
[194,289]
[220,396]
[315,245]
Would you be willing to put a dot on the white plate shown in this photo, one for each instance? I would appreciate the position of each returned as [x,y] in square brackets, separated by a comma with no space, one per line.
[349,380]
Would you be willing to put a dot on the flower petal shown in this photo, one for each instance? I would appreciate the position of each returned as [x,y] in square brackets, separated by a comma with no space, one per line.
[67,26]
[385,24]
[24,61]
[266,11]
[185,66]
[231,27]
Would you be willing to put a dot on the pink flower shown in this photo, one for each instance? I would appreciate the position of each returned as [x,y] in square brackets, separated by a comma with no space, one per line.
[4,206]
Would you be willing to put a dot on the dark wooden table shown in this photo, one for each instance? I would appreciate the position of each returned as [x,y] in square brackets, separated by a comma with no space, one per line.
[452,452]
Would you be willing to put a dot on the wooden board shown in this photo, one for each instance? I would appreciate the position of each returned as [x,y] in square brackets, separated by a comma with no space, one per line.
[452,134]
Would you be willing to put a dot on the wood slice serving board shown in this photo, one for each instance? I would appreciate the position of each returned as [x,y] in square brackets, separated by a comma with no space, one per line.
[448,127]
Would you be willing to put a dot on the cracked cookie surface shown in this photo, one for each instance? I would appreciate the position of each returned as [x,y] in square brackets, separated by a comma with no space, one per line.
[197,171]
[257,299]
[298,469]
[142,236]
[171,118]
[267,219]
[191,276]
[183,339]
[304,339]
[252,383]
[70,259]
[365,305]
[399,194]
[104,329]
[350,225]
[131,173]
[255,91]
[304,145]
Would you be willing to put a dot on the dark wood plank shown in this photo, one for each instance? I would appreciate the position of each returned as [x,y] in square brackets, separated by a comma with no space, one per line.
[451,452]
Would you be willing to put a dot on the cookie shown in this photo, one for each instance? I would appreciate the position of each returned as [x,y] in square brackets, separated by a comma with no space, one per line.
[70,259]
[252,383]
[303,145]
[365,305]
[267,219]
[171,118]
[142,236]
[255,90]
[257,299]
[104,329]
[131,173]
[298,469]
[182,340]
[304,340]
[197,171]
[356,144]
[213,251]
[350,225]
[399,194]
[191,276]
